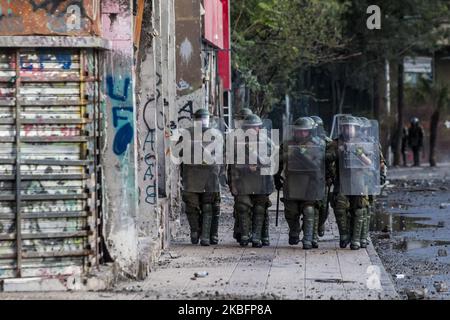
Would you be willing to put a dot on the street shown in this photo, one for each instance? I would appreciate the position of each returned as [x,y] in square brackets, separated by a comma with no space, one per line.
[280,271]
[411,231]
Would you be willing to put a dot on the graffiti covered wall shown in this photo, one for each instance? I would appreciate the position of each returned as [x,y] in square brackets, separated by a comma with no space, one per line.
[50,17]
[119,154]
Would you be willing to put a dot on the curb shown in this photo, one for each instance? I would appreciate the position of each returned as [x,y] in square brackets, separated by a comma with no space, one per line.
[386,280]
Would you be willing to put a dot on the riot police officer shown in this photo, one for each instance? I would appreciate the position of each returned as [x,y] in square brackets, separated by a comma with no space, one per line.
[321,205]
[369,130]
[354,163]
[250,186]
[302,168]
[238,121]
[201,188]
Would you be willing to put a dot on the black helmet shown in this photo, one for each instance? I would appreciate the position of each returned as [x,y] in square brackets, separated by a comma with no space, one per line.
[318,120]
[201,113]
[244,112]
[414,120]
[252,121]
[304,123]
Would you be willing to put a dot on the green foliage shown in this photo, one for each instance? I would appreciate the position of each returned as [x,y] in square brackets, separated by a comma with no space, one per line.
[273,38]
[437,94]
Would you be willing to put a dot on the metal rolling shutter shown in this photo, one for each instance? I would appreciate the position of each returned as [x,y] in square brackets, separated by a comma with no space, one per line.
[48,186]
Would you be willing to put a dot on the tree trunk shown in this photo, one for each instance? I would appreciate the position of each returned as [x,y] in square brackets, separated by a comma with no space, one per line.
[400,105]
[434,124]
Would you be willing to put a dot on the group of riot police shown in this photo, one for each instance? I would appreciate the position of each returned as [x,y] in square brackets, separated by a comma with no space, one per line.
[345,170]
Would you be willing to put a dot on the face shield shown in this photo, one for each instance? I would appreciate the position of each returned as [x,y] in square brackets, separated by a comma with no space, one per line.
[301,134]
[205,122]
[349,131]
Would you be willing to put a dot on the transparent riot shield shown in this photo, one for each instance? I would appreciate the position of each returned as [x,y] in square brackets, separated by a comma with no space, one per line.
[249,157]
[203,158]
[334,133]
[359,160]
[304,165]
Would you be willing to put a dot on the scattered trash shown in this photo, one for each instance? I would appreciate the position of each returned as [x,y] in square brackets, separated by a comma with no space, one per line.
[444,205]
[440,286]
[400,276]
[201,274]
[416,294]
[442,253]
[333,281]
[173,255]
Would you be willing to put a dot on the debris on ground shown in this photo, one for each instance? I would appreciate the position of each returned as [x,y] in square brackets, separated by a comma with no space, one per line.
[416,294]
[440,286]
[201,274]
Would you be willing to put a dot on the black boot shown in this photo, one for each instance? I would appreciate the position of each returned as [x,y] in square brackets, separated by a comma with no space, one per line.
[365,229]
[292,218]
[308,227]
[342,222]
[243,211]
[323,216]
[236,227]
[215,224]
[265,231]
[206,224]
[315,241]
[258,222]
[357,225]
[193,216]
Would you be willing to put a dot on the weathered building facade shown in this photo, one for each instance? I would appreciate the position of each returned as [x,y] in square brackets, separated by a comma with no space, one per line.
[90,92]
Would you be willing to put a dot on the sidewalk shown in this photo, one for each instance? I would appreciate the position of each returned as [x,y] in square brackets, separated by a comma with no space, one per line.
[280,271]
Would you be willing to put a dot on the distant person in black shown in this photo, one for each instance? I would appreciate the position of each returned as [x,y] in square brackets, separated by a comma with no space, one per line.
[404,144]
[415,139]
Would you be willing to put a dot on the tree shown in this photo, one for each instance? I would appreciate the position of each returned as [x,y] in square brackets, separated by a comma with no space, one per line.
[437,94]
[273,38]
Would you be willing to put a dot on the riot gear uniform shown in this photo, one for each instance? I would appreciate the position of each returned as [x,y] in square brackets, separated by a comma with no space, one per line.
[251,188]
[201,188]
[353,160]
[302,168]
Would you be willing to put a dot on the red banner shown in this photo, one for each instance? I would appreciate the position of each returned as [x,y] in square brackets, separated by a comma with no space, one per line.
[224,56]
[214,22]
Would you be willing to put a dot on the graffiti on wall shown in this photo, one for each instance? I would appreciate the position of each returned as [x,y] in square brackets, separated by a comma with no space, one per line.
[45,17]
[149,152]
[122,112]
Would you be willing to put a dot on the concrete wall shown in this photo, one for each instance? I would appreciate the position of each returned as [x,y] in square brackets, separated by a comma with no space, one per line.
[54,17]
[119,153]
[157,178]
[146,94]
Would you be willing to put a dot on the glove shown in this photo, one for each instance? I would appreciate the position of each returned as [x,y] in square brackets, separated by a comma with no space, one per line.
[278,182]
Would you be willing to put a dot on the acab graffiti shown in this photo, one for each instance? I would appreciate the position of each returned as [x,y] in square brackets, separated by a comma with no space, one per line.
[149,151]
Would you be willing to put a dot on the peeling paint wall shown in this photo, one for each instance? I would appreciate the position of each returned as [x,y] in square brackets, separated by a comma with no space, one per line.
[50,17]
[158,182]
[119,154]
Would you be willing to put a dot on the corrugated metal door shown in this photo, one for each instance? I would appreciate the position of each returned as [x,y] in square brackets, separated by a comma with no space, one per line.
[48,163]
